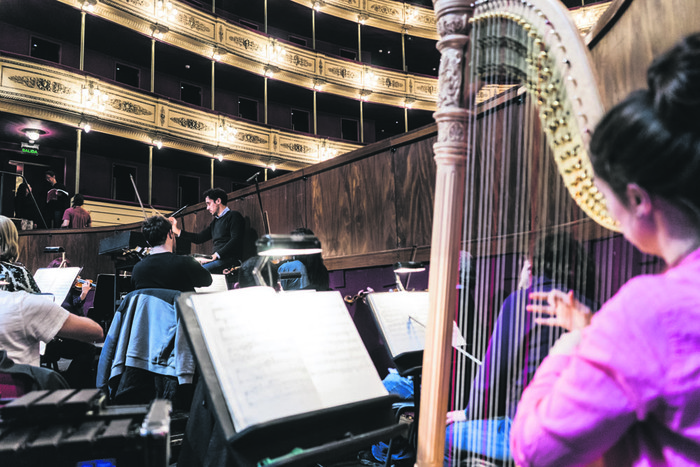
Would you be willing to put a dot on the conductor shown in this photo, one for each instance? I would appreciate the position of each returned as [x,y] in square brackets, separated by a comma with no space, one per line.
[226,231]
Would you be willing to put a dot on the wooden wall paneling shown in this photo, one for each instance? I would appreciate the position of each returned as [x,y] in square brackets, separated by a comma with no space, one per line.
[414,179]
[354,204]
[645,29]
[285,206]
[82,248]
[249,208]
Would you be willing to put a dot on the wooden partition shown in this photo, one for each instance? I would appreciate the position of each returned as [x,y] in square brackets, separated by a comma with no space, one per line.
[368,207]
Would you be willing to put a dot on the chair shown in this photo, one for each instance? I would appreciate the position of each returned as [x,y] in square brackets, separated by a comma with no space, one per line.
[145,354]
[19,379]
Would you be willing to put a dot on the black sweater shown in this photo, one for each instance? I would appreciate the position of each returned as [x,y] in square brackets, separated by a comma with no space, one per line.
[227,234]
[169,271]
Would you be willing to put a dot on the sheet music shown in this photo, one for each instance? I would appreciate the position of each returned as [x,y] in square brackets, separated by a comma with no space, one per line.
[218,284]
[56,281]
[402,318]
[282,354]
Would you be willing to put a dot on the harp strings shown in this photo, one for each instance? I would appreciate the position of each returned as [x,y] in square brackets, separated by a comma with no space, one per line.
[513,193]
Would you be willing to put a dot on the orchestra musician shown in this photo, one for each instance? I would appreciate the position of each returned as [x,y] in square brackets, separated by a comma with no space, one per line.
[76,217]
[26,318]
[226,231]
[57,200]
[625,383]
[16,275]
[80,373]
[163,269]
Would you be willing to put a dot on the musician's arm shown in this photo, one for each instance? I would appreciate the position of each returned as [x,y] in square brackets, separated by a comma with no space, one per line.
[201,237]
[82,329]
[584,398]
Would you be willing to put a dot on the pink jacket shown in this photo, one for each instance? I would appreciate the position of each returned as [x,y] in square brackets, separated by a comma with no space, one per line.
[630,392]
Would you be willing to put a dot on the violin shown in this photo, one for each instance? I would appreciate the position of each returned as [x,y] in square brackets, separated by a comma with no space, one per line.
[79,283]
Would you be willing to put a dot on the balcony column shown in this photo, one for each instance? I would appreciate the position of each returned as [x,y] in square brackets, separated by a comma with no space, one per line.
[403,50]
[82,40]
[362,124]
[211,174]
[405,119]
[153,64]
[78,149]
[265,99]
[315,119]
[150,175]
[265,14]
[359,42]
[313,29]
[213,71]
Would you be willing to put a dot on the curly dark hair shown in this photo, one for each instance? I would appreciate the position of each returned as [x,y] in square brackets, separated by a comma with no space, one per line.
[155,230]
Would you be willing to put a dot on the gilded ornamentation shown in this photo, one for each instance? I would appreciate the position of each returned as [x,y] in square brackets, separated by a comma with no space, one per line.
[384,10]
[194,23]
[221,33]
[426,88]
[390,83]
[245,43]
[162,116]
[428,19]
[296,60]
[250,138]
[190,124]
[128,107]
[43,84]
[342,72]
[137,2]
[297,147]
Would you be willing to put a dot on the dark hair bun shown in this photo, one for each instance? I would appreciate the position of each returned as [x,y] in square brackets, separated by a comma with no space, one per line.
[673,79]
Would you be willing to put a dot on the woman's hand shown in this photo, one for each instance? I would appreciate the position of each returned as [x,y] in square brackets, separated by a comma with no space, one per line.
[564,310]
[456,416]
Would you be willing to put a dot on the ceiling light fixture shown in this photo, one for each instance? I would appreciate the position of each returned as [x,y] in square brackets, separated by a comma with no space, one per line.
[158,31]
[89,5]
[33,134]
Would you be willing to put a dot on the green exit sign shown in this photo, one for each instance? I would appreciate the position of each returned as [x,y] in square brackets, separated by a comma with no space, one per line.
[30,149]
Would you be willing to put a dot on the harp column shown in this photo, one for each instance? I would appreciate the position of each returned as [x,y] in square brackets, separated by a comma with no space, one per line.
[452,119]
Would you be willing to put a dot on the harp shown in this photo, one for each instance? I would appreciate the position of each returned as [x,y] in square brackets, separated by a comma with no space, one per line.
[517,103]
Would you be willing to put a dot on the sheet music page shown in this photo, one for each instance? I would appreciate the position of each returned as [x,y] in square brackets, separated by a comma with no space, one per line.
[332,349]
[218,284]
[56,281]
[402,317]
[262,376]
[282,354]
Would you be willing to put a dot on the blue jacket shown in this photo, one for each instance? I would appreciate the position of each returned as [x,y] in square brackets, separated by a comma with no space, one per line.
[146,334]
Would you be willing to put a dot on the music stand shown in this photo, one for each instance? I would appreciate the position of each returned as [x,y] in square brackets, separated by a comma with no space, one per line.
[286,343]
